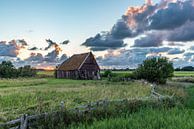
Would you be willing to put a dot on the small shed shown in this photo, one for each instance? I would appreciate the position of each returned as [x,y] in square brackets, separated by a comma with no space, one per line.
[79,66]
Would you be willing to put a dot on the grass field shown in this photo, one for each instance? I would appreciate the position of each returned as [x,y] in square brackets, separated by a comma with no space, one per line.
[20,96]
[36,95]
[45,73]
[180,117]
[146,119]
[176,73]
[184,73]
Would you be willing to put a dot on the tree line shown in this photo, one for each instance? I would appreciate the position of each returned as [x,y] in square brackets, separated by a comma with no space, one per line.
[8,70]
[186,68]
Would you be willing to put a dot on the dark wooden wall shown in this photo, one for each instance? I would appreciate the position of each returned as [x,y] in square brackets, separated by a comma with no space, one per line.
[89,70]
[82,74]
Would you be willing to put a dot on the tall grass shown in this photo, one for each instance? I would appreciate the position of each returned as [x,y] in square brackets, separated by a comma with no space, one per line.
[146,119]
[25,96]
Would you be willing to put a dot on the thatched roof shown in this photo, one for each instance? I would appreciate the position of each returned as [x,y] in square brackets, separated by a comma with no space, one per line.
[74,62]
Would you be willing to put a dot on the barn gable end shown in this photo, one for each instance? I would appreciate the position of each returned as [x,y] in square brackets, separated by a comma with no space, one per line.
[79,66]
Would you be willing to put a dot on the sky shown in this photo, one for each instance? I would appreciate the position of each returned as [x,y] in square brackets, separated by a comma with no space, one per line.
[120,33]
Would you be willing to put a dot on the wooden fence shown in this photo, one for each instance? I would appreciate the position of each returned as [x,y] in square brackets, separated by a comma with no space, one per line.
[24,121]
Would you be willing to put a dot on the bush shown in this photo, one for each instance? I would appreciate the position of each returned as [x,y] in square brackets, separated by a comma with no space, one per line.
[107,73]
[7,70]
[26,71]
[155,70]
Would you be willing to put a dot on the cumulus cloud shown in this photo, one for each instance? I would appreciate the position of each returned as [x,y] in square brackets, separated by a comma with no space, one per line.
[35,57]
[173,19]
[131,58]
[125,58]
[11,51]
[121,30]
[11,48]
[51,56]
[150,40]
[103,42]
[50,43]
[183,33]
[175,15]
[63,58]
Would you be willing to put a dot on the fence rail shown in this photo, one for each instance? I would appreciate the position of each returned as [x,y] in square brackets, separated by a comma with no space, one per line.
[24,121]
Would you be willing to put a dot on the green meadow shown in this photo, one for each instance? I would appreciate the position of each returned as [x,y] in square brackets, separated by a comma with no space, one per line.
[146,119]
[176,73]
[45,93]
[32,96]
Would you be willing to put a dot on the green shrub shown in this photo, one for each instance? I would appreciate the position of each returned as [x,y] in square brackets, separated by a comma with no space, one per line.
[107,73]
[155,70]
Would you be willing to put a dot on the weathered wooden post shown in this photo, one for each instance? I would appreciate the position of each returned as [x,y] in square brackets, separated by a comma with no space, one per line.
[21,122]
[105,104]
[62,106]
[24,122]
[89,107]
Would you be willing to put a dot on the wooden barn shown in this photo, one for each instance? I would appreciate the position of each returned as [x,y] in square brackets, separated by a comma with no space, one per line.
[79,66]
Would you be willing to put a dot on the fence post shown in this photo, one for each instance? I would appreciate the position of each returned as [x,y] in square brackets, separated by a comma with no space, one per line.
[24,122]
[62,106]
[105,104]
[89,107]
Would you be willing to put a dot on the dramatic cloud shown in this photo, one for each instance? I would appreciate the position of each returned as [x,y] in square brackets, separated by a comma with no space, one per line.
[173,20]
[103,42]
[16,49]
[51,56]
[183,33]
[50,44]
[150,40]
[22,42]
[57,50]
[133,57]
[35,57]
[123,58]
[63,58]
[153,29]
[121,30]
[11,48]
[175,15]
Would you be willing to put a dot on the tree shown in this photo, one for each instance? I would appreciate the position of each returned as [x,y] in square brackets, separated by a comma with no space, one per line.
[26,71]
[107,73]
[7,70]
[155,70]
[188,68]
